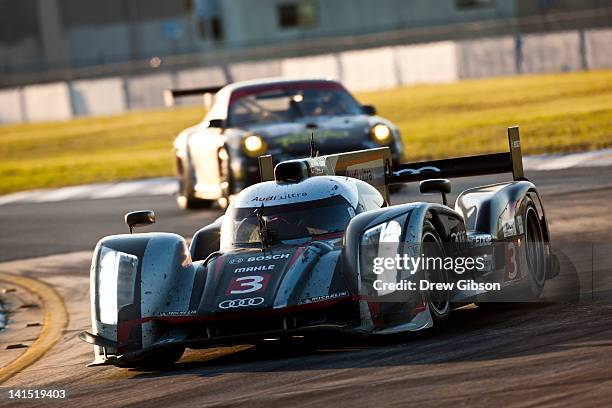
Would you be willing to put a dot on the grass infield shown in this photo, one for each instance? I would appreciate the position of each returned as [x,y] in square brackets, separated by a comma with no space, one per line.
[556,113]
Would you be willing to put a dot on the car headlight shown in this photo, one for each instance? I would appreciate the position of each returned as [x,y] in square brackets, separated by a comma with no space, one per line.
[378,245]
[382,240]
[116,277]
[381,134]
[254,145]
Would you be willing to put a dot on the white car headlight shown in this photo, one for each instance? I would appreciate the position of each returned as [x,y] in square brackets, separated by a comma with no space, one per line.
[381,134]
[385,232]
[382,240]
[116,277]
[379,247]
[254,145]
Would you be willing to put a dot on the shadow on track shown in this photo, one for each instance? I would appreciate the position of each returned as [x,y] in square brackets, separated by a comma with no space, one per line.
[473,334]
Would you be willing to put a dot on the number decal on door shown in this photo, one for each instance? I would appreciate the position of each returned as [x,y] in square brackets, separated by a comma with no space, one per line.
[512,262]
[247,284]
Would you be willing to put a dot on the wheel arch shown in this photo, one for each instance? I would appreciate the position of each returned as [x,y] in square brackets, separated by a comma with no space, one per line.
[412,217]
[485,209]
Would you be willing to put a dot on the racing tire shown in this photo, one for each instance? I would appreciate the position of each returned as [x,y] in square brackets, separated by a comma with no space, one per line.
[225,178]
[438,302]
[186,199]
[160,359]
[537,260]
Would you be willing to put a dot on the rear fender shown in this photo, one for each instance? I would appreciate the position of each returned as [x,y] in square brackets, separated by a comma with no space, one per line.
[500,209]
[494,209]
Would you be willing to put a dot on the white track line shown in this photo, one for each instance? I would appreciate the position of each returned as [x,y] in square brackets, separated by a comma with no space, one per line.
[565,161]
[138,188]
[68,193]
[168,185]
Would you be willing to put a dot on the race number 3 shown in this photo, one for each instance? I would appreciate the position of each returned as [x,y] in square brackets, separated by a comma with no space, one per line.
[247,284]
[513,271]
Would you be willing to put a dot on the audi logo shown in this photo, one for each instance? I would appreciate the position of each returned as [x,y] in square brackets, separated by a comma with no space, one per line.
[235,261]
[234,303]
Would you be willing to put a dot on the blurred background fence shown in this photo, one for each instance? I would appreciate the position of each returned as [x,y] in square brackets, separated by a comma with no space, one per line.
[66,58]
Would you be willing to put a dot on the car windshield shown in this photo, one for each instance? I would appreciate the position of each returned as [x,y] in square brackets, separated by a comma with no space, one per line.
[289,221]
[286,104]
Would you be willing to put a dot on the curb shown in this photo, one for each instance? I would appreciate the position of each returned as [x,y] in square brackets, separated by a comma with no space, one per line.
[54,322]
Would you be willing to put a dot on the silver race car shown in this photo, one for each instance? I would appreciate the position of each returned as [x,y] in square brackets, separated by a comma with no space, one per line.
[314,250]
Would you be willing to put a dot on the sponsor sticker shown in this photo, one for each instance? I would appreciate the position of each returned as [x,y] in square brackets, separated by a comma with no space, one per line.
[279,197]
[509,228]
[372,172]
[267,257]
[325,297]
[178,313]
[478,240]
[268,262]
[257,268]
[519,224]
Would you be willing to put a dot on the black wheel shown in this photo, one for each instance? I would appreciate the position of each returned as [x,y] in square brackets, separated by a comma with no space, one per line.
[158,359]
[537,261]
[186,199]
[438,300]
[225,178]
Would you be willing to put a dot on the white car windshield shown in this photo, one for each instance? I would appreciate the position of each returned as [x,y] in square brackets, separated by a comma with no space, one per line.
[286,104]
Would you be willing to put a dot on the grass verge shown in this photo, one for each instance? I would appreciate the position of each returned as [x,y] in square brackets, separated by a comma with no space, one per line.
[557,113]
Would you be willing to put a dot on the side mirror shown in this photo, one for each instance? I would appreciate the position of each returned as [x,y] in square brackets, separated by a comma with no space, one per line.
[368,110]
[139,219]
[216,123]
[436,186]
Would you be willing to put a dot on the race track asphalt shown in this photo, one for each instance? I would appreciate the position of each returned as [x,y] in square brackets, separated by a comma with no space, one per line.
[553,354]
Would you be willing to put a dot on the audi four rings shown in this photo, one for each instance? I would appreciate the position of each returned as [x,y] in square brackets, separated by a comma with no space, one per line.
[228,304]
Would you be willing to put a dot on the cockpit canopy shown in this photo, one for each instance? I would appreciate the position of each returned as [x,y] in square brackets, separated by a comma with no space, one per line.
[312,207]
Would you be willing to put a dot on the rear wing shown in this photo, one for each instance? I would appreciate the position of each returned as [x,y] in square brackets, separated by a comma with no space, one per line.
[171,94]
[374,166]
[507,162]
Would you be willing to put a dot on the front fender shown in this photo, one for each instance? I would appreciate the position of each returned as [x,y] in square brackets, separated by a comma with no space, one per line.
[411,217]
[159,284]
